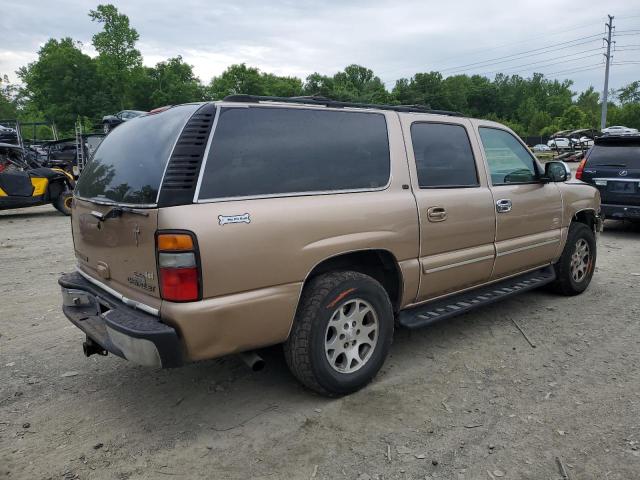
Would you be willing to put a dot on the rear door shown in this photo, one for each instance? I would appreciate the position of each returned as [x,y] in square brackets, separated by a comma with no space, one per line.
[528,211]
[455,206]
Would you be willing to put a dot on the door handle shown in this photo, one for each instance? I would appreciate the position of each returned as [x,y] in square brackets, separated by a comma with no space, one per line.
[436,214]
[503,205]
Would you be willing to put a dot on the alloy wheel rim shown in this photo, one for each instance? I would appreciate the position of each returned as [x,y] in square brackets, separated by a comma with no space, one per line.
[351,336]
[580,260]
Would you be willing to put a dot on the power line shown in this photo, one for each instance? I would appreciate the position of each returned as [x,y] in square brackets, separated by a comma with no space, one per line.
[527,40]
[584,69]
[494,60]
[546,60]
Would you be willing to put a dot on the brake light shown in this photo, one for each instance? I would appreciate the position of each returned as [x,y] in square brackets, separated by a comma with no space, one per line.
[178,267]
[580,168]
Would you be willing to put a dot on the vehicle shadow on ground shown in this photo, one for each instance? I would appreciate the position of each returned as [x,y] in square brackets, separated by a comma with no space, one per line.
[26,214]
[214,397]
[620,228]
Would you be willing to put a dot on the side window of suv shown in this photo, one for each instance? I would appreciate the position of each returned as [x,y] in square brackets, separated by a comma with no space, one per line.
[443,156]
[260,151]
[509,162]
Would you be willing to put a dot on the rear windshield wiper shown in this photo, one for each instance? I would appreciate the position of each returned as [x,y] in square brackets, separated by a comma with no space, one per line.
[610,165]
[116,212]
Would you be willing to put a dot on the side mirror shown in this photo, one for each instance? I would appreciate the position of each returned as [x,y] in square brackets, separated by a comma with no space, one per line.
[556,171]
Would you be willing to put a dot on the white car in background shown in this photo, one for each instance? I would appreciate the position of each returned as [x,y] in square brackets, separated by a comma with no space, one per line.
[582,142]
[559,143]
[619,130]
[541,147]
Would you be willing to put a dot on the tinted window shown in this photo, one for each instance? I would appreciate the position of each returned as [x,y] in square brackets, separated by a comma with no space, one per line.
[509,161]
[623,156]
[128,165]
[443,155]
[261,151]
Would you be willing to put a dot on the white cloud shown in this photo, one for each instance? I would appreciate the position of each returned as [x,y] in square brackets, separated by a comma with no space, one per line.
[395,39]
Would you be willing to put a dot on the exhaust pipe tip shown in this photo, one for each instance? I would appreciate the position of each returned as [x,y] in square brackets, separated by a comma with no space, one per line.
[252,360]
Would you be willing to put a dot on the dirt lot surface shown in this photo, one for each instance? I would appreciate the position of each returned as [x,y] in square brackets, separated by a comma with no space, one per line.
[466,399]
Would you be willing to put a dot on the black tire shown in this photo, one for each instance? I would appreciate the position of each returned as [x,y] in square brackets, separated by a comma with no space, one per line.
[321,300]
[63,202]
[566,282]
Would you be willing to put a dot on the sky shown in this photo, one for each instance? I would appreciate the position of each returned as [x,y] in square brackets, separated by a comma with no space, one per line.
[396,39]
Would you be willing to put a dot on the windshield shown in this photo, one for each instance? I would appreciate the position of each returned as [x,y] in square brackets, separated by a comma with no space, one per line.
[128,165]
[627,156]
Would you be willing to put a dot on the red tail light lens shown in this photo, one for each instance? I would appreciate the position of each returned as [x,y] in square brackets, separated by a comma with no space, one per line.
[580,169]
[179,284]
[178,267]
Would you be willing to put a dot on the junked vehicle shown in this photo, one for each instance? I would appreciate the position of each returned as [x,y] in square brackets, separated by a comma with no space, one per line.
[24,184]
[620,130]
[541,147]
[216,228]
[559,143]
[109,122]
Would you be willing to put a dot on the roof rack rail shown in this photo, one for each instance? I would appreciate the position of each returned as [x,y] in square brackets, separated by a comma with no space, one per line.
[327,102]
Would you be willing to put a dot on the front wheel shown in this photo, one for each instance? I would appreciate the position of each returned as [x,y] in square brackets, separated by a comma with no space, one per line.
[63,202]
[575,268]
[341,334]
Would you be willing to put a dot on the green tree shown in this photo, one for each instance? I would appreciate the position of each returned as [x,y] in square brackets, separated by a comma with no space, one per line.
[8,102]
[117,56]
[174,82]
[573,118]
[629,93]
[62,83]
[236,79]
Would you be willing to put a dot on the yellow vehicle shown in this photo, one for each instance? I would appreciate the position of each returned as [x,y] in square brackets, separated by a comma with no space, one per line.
[25,185]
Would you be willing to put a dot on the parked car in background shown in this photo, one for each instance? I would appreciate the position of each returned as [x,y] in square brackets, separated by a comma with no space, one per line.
[221,227]
[109,122]
[613,167]
[619,130]
[582,142]
[559,143]
[541,147]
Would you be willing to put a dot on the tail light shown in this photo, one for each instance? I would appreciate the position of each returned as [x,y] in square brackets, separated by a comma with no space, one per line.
[580,168]
[178,267]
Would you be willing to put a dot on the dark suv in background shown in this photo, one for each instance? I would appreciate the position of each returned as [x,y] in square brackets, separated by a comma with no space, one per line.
[613,167]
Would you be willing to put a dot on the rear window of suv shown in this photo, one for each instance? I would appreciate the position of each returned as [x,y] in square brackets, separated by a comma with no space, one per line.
[260,151]
[615,155]
[129,163]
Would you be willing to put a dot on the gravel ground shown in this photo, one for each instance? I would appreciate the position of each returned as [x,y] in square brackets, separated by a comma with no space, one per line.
[466,399]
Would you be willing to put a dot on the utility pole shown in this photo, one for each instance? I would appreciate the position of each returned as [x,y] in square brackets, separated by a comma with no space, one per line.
[603,118]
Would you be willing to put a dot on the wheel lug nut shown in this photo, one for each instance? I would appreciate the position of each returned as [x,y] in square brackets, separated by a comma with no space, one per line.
[353,324]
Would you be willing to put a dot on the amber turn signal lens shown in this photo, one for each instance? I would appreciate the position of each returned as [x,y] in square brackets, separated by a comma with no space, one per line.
[174,242]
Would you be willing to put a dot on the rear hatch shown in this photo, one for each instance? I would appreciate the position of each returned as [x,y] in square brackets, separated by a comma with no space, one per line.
[613,166]
[115,214]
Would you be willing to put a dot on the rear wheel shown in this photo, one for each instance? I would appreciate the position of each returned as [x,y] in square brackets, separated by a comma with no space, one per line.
[342,333]
[63,202]
[575,268]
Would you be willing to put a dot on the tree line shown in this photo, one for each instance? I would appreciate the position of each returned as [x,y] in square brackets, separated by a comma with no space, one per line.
[64,83]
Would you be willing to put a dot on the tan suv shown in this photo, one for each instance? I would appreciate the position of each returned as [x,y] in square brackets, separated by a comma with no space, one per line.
[216,228]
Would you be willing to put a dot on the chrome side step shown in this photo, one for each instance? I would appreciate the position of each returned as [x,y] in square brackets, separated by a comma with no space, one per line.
[438,310]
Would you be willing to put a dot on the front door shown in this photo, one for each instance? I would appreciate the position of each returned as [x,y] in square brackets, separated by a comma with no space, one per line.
[528,210]
[455,207]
